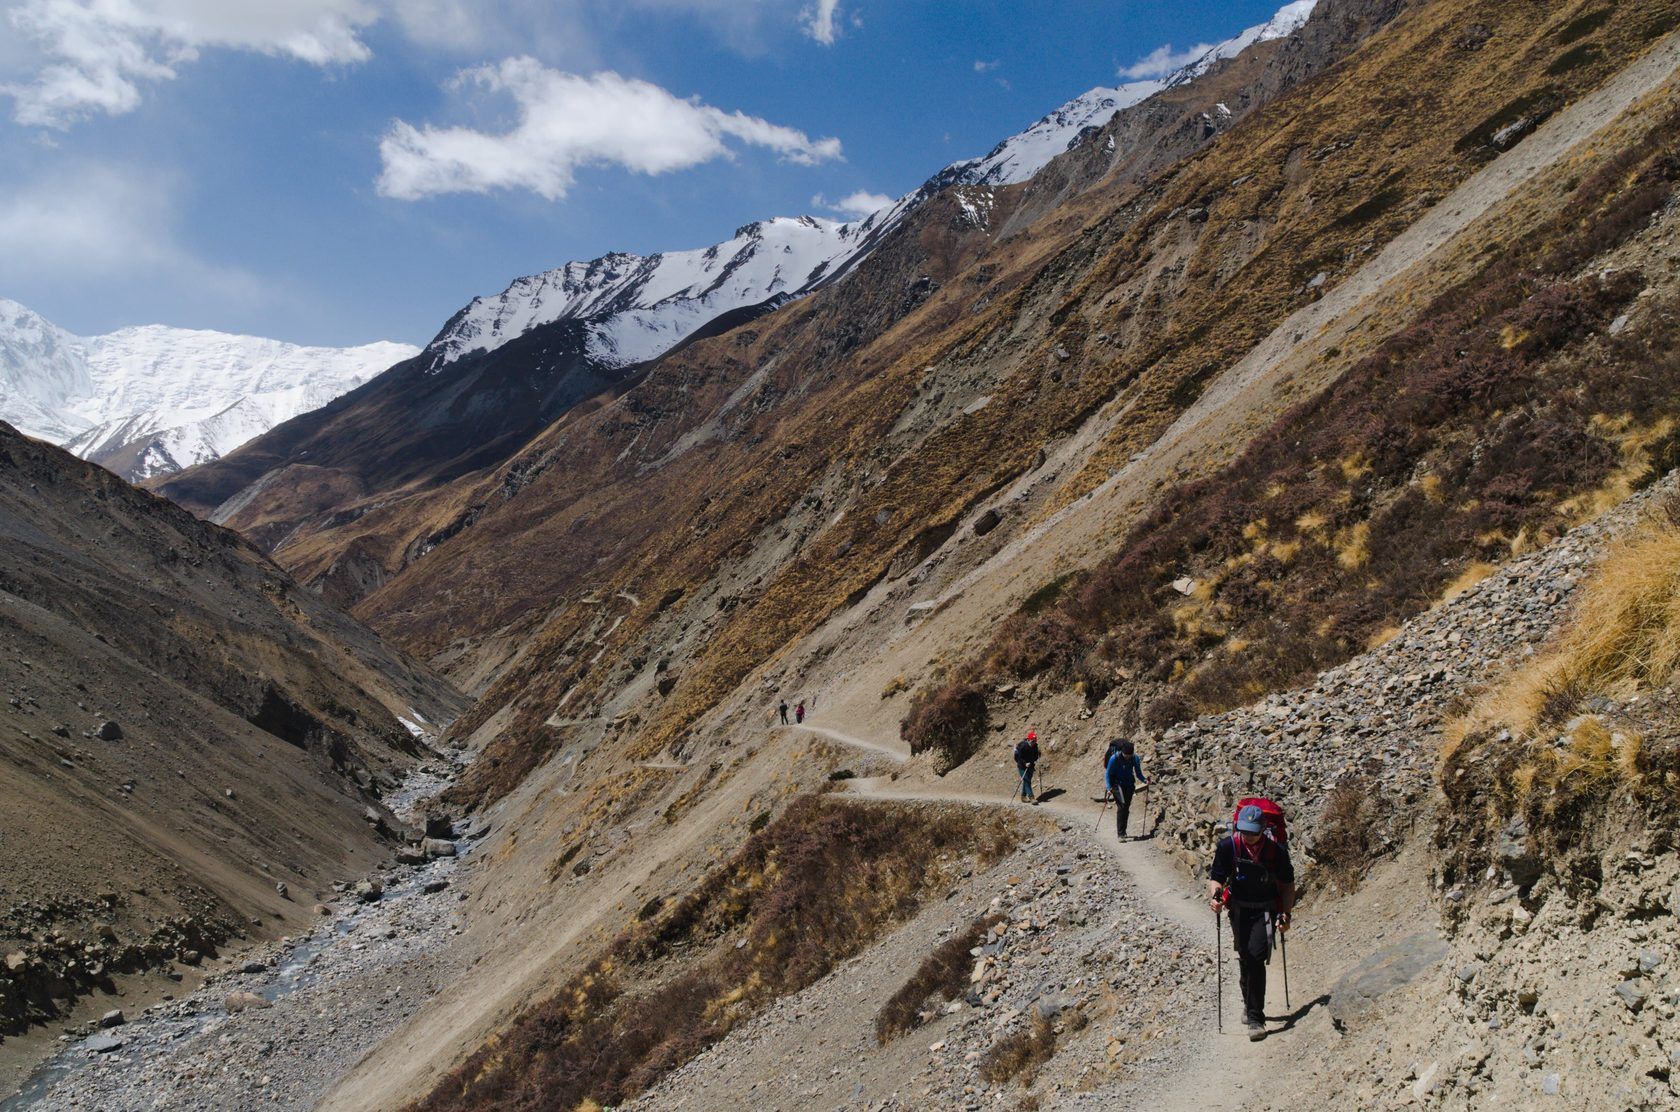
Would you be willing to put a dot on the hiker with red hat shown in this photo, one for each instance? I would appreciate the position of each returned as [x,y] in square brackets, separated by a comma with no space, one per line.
[1026,761]
[1253,880]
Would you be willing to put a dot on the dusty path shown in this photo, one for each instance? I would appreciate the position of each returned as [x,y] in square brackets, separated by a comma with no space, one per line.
[1248,1073]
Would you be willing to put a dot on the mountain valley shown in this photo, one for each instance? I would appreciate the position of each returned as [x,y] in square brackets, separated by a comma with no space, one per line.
[1310,416]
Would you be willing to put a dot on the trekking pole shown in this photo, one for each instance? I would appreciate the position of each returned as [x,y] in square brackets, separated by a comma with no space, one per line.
[1100,812]
[1283,947]
[1219,963]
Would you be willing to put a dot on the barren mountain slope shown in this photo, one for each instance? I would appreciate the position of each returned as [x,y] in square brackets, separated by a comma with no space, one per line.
[191,739]
[808,507]
[452,418]
[935,488]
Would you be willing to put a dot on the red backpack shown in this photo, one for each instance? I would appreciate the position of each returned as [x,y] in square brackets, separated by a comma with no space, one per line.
[1276,826]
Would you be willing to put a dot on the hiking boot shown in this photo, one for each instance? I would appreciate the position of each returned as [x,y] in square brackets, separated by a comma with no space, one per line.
[1256,1028]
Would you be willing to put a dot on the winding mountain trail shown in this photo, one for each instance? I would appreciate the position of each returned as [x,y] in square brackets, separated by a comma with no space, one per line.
[1247,1073]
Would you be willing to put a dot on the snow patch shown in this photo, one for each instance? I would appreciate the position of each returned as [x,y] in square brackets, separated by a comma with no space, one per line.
[192,395]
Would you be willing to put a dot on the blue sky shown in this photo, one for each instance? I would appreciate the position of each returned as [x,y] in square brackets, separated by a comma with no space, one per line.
[340,171]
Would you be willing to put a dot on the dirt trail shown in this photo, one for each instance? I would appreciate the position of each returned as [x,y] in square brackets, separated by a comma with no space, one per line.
[897,752]
[1249,1073]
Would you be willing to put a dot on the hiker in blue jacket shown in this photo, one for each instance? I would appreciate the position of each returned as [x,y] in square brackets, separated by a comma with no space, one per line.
[1124,774]
[1026,762]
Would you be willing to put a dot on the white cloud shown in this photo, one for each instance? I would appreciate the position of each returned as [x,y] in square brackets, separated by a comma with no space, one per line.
[858,204]
[1163,60]
[985,67]
[95,55]
[821,21]
[567,121]
[91,224]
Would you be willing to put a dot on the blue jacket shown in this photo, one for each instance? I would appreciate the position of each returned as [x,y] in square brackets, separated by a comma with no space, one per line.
[1123,770]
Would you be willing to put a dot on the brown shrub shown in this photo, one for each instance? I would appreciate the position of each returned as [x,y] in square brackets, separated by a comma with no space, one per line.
[950,719]
[816,886]
[1020,1053]
[1350,834]
[943,973]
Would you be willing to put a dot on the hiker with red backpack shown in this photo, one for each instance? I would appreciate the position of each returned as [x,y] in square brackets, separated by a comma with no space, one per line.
[1026,762]
[1253,880]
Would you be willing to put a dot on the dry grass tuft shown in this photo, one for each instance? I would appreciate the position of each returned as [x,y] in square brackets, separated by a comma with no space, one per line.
[1020,1053]
[814,887]
[950,719]
[1350,837]
[1532,748]
[944,973]
[1625,636]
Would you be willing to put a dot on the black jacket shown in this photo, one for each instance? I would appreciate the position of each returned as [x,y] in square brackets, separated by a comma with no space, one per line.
[1026,753]
[1255,879]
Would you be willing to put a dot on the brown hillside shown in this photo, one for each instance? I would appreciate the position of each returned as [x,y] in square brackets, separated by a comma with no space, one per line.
[187,728]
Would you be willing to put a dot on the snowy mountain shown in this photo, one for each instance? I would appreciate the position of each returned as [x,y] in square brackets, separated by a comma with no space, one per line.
[635,307]
[152,400]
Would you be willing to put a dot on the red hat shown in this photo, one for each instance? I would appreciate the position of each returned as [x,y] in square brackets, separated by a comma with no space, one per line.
[1031,736]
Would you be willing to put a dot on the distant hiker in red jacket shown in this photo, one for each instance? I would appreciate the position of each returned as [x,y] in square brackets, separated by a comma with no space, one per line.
[799,713]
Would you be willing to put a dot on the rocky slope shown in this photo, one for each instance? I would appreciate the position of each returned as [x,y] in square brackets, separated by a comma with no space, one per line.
[196,746]
[149,401]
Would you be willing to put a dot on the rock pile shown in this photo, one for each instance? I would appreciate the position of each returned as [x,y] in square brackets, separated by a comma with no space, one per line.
[1378,716]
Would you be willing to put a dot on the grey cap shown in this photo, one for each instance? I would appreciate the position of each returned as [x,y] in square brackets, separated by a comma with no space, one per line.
[1249,820]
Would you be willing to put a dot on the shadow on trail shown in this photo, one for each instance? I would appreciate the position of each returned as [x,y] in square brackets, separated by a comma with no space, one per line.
[1289,1021]
[1051,793]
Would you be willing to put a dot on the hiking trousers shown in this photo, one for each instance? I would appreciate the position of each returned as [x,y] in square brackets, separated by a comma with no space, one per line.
[1026,781]
[1122,805]
[1251,937]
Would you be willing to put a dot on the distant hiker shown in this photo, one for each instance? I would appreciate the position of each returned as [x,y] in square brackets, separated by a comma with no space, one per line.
[1124,774]
[799,713]
[1026,761]
[783,709]
[1253,879]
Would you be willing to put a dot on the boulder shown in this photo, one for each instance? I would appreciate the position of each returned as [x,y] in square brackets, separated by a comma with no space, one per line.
[110,731]
[112,1018]
[236,1002]
[368,891]
[1524,866]
[438,847]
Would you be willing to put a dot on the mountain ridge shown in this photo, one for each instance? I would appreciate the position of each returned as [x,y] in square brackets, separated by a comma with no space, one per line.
[149,400]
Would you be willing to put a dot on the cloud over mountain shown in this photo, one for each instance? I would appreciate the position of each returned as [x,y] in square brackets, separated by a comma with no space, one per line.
[566,122]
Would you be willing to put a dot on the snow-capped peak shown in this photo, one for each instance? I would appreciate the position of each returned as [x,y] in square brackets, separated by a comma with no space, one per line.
[634,308]
[154,399]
